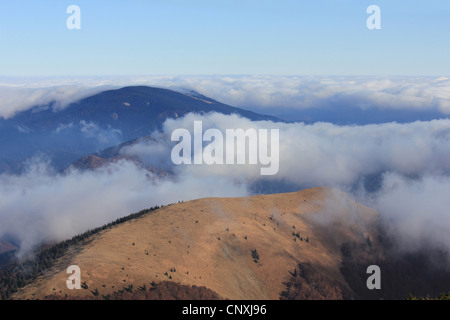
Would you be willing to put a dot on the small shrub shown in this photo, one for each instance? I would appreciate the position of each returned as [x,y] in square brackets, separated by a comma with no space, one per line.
[255,256]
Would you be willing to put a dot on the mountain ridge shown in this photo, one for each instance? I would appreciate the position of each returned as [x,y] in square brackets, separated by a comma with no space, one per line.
[240,248]
[315,243]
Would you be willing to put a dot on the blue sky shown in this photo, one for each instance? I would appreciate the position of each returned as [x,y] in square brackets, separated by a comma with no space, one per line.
[138,37]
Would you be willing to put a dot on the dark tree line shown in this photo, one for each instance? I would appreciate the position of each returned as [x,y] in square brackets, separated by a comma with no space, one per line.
[19,273]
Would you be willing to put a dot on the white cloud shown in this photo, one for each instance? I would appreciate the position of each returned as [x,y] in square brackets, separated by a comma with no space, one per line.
[104,137]
[332,155]
[310,92]
[19,98]
[42,206]
[416,210]
[150,152]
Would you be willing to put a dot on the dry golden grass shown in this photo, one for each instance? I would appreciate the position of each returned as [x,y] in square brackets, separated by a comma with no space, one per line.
[208,242]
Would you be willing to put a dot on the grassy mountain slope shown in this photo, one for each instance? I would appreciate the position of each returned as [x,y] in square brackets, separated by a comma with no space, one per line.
[240,248]
[312,244]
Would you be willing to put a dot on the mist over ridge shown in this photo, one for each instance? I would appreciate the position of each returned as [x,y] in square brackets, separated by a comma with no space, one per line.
[408,162]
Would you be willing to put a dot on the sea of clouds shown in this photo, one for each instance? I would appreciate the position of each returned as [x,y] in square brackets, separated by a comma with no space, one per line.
[257,92]
[42,205]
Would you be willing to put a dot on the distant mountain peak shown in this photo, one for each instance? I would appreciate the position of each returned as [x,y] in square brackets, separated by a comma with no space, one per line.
[100,121]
